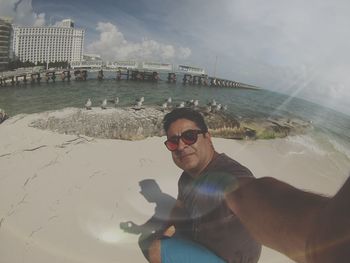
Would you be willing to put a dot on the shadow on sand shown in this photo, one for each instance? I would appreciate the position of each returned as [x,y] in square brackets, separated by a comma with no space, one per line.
[164,203]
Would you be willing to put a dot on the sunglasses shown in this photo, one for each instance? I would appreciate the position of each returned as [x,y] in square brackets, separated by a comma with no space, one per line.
[188,137]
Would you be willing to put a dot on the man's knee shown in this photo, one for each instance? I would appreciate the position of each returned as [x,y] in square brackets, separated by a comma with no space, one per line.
[154,255]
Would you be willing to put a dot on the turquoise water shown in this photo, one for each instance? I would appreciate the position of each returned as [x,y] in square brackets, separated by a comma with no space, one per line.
[331,127]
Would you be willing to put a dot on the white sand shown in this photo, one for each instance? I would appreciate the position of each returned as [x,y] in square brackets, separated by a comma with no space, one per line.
[63,202]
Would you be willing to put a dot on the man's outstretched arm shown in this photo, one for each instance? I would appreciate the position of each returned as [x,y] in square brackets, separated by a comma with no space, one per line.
[329,240]
[276,214]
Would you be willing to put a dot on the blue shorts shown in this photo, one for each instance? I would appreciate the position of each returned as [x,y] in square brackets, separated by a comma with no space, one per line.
[176,250]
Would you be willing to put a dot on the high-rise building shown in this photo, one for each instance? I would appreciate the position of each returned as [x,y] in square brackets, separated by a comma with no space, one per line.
[50,43]
[5,42]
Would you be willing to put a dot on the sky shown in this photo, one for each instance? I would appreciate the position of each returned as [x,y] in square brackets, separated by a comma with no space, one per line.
[299,48]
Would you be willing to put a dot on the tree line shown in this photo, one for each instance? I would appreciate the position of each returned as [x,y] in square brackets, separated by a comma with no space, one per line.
[14,64]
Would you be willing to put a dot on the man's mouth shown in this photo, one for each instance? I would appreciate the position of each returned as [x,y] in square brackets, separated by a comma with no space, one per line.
[184,156]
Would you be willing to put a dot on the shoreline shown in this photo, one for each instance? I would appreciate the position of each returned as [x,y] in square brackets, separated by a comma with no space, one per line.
[63,196]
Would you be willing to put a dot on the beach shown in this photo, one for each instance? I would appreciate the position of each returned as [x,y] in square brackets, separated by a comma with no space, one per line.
[63,197]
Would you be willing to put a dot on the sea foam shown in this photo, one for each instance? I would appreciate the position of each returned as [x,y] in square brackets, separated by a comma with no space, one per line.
[309,143]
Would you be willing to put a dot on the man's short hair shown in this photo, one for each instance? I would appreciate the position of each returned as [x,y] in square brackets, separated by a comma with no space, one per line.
[184,113]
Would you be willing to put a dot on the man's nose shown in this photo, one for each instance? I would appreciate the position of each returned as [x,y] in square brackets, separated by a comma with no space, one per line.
[181,145]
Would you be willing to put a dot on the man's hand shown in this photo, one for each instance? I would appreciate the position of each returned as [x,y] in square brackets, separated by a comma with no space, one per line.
[170,231]
[130,227]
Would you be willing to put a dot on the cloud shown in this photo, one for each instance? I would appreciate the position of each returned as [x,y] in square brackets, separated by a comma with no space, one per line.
[112,45]
[298,47]
[21,12]
[184,52]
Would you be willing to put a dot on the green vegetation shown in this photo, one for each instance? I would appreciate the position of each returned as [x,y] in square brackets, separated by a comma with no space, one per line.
[252,131]
[14,64]
[267,135]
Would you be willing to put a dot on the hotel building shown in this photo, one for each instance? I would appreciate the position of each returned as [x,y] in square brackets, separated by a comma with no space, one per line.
[49,44]
[5,43]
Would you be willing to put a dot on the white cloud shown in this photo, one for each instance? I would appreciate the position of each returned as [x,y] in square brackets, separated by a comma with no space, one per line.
[21,12]
[184,52]
[301,47]
[112,45]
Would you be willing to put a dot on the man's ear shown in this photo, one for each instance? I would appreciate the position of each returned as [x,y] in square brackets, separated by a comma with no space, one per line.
[208,135]
[210,141]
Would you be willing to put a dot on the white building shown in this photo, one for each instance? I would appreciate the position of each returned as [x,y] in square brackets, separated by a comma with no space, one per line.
[156,66]
[5,42]
[50,43]
[89,61]
[126,64]
[191,70]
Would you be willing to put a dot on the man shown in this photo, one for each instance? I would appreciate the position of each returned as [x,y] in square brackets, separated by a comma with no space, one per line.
[206,230]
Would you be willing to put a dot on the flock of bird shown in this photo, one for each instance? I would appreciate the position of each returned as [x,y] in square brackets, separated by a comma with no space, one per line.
[212,106]
[88,104]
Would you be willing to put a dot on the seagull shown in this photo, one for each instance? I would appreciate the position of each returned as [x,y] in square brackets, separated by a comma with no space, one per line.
[164,106]
[195,103]
[142,99]
[224,108]
[218,107]
[181,105]
[116,101]
[189,103]
[169,100]
[88,104]
[207,109]
[104,104]
[138,105]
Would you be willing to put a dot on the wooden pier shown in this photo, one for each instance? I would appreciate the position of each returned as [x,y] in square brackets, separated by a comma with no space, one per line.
[65,75]
[80,74]
[121,74]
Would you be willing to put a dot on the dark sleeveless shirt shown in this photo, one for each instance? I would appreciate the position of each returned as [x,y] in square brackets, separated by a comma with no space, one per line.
[212,223]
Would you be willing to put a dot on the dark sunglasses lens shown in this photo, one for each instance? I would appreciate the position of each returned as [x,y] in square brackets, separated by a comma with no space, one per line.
[189,137]
[171,145]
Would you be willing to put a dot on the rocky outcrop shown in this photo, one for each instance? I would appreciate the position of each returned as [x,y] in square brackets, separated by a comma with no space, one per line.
[264,129]
[3,116]
[116,123]
[130,124]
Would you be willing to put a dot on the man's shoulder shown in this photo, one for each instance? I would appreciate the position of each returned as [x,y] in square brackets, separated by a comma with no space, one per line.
[226,164]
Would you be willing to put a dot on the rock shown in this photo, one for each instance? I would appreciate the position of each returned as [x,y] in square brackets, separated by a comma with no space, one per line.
[3,116]
[275,128]
[129,124]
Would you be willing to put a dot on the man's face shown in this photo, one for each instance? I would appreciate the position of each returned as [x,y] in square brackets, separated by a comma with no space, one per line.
[191,158]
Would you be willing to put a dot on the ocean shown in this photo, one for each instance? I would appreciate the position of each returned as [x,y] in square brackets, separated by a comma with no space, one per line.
[331,133]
